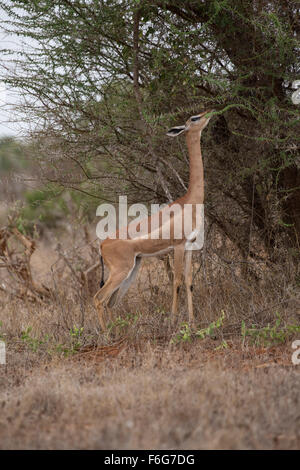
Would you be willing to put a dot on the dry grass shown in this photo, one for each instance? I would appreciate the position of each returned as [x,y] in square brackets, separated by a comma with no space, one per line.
[151,398]
[136,388]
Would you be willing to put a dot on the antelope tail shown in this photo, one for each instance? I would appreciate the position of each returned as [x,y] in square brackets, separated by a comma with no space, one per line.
[102,274]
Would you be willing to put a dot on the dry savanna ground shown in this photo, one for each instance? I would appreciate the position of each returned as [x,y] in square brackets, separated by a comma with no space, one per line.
[150,383]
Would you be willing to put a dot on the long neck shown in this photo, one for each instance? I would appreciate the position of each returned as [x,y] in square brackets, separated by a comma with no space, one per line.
[196,182]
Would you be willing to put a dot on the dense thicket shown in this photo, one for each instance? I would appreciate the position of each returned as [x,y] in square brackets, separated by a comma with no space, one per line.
[105,78]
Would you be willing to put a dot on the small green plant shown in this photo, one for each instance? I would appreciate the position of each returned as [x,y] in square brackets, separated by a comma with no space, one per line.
[51,347]
[160,310]
[269,335]
[62,349]
[33,343]
[76,338]
[223,345]
[185,334]
[212,327]
[123,323]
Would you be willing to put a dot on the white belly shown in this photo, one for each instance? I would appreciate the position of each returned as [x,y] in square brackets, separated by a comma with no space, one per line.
[157,253]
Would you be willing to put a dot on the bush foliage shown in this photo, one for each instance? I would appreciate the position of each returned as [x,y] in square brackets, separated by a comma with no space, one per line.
[106,78]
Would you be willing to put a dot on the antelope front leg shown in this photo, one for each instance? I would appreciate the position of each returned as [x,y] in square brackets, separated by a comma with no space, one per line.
[188,274]
[177,280]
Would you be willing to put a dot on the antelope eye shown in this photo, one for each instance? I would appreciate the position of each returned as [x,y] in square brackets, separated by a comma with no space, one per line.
[195,118]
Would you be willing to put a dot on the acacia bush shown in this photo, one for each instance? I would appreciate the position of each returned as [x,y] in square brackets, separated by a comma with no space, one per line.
[104,80]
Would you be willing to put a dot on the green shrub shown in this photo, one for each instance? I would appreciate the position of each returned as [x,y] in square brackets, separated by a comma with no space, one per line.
[270,335]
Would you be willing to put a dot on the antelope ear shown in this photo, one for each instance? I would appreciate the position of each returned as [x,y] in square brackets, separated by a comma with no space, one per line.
[174,131]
